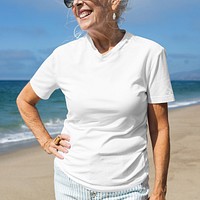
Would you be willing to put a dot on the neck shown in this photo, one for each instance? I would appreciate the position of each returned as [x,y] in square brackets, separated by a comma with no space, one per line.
[105,39]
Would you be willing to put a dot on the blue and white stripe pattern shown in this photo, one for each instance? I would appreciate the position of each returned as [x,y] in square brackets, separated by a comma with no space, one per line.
[67,189]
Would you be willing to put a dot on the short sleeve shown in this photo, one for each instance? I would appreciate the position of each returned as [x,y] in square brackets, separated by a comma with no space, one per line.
[44,80]
[159,89]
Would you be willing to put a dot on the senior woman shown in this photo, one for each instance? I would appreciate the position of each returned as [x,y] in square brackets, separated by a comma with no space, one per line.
[114,84]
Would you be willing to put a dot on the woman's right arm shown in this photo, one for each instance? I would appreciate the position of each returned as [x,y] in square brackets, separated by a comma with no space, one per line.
[26,102]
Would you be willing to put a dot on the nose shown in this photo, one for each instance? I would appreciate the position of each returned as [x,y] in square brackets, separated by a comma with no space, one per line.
[78,2]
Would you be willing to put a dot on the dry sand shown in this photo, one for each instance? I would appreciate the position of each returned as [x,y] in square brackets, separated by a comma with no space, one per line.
[27,174]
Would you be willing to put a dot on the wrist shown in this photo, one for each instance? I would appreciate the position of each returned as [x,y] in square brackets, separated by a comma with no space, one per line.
[160,190]
[46,145]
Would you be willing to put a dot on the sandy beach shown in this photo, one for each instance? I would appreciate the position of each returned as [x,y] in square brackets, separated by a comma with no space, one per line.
[27,174]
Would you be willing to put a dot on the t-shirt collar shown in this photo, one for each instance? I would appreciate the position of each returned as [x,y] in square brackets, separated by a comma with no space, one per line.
[119,45]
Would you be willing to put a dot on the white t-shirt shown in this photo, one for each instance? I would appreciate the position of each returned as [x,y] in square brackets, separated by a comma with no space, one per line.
[107,97]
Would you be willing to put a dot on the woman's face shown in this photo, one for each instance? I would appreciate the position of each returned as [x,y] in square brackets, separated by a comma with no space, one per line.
[91,14]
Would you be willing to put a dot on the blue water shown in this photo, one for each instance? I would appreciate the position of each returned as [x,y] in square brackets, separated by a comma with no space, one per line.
[53,111]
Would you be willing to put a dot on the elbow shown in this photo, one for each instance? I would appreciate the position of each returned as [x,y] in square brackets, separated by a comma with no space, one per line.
[27,98]
[19,101]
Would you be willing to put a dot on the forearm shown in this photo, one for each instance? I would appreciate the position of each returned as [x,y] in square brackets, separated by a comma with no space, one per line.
[161,154]
[160,139]
[26,102]
[32,119]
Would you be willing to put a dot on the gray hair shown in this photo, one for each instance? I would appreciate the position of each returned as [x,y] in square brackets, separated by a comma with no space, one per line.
[121,9]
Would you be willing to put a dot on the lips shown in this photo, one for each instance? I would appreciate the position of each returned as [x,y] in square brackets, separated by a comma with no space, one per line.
[84,13]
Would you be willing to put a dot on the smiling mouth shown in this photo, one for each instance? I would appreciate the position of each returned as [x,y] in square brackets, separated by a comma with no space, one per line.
[84,14]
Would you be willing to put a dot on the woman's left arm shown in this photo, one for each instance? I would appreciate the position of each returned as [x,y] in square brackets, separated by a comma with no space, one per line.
[160,139]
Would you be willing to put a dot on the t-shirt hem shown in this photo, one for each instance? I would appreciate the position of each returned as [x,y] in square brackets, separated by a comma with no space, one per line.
[161,99]
[105,188]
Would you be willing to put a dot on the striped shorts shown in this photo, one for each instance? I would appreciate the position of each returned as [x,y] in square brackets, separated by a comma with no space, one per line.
[67,189]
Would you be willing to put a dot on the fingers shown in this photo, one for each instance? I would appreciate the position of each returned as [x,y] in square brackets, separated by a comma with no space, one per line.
[65,137]
[63,146]
[63,142]
[60,143]
[55,152]
[57,140]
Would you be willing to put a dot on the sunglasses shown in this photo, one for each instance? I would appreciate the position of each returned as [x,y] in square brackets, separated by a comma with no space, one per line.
[69,3]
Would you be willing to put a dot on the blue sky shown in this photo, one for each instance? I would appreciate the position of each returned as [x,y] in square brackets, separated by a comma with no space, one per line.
[30,30]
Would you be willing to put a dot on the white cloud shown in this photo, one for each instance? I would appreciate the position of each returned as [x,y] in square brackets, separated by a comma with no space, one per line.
[18,63]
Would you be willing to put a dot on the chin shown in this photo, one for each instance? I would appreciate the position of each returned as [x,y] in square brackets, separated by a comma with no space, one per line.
[85,27]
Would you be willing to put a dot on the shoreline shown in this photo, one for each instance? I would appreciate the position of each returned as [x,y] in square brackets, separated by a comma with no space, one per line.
[7,148]
[28,171]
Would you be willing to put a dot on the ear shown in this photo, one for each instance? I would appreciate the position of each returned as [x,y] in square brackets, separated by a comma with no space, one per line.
[115,4]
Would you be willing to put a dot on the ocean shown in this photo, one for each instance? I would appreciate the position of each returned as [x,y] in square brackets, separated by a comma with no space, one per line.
[14,133]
